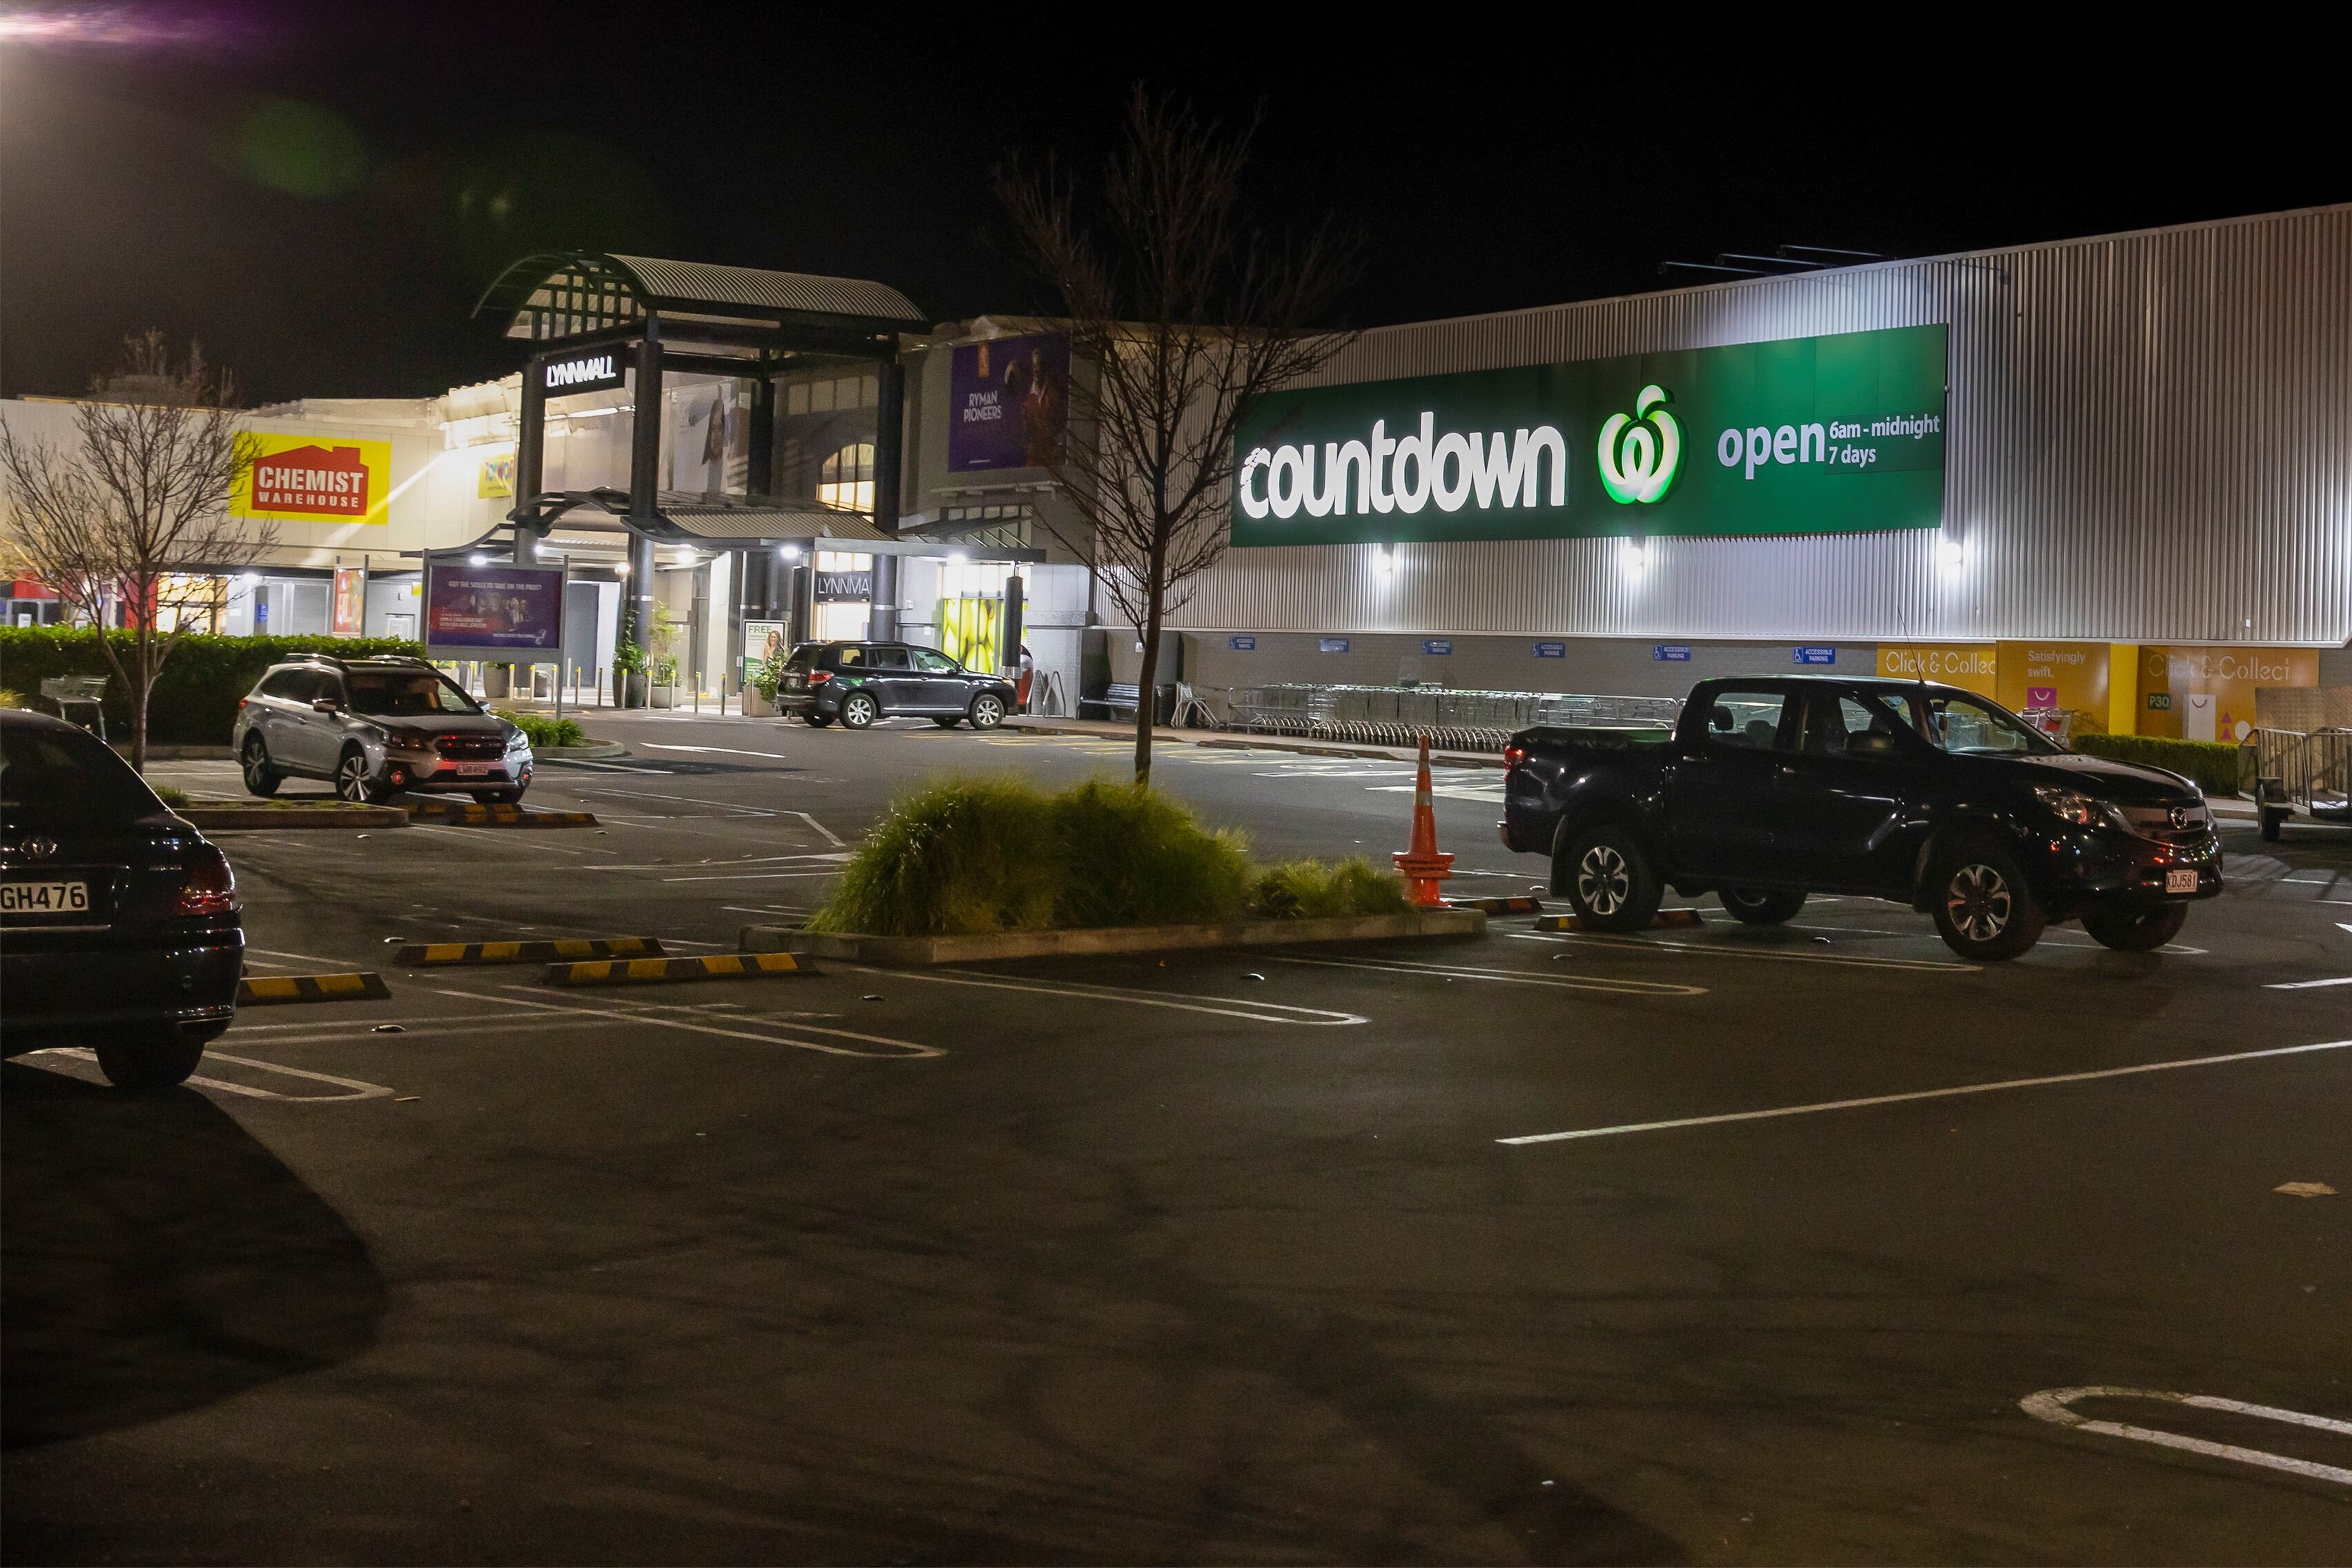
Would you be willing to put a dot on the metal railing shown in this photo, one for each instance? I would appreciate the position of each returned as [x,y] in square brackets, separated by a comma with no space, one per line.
[1447,717]
[2311,770]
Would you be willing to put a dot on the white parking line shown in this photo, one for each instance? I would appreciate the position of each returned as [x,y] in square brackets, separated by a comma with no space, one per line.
[2308,984]
[728,750]
[607,767]
[1259,1013]
[688,800]
[2052,1405]
[1742,950]
[1920,1094]
[305,958]
[827,834]
[364,1090]
[1507,976]
[753,876]
[907,1049]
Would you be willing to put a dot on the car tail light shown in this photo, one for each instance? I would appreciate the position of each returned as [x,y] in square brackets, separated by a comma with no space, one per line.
[210,887]
[1514,755]
[817,675]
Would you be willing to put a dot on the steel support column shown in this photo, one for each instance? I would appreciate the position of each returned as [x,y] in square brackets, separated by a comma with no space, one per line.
[644,478]
[531,452]
[883,620]
[889,443]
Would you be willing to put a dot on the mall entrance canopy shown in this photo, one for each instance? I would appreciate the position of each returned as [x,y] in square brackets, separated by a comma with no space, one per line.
[597,322]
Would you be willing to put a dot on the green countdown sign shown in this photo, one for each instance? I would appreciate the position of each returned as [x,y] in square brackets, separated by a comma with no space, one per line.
[1805,436]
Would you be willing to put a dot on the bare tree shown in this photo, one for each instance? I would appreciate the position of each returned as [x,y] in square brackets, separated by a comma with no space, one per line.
[1179,312]
[136,502]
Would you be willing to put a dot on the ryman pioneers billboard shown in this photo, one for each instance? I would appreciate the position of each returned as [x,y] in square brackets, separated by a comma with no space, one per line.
[1805,436]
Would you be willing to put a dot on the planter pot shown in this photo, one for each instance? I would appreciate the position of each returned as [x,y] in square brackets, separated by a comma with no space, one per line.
[634,688]
[665,696]
[757,706]
[498,680]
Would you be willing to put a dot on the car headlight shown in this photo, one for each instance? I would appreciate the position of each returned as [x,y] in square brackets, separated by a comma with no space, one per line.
[518,741]
[410,739]
[2082,810]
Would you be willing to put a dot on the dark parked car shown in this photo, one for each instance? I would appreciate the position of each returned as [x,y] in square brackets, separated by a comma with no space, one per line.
[1775,788]
[119,923]
[858,682]
[374,726]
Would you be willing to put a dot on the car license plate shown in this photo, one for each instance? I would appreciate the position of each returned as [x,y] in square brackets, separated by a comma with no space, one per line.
[469,770]
[2181,882]
[44,898]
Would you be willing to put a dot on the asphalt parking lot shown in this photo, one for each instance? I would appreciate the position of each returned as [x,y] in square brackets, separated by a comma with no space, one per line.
[1266,1256]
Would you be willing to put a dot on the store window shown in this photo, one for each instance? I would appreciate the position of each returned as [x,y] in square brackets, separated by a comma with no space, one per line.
[847,477]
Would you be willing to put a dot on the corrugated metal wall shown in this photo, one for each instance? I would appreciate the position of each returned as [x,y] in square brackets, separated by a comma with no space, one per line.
[2151,441]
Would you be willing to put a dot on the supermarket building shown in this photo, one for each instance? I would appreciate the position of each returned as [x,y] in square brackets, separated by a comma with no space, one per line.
[2111,475]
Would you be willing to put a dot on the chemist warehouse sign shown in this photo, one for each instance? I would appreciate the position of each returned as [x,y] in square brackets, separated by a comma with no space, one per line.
[1805,436]
[315,479]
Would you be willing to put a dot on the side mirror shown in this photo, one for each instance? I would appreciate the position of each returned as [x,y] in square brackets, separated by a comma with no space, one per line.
[326,705]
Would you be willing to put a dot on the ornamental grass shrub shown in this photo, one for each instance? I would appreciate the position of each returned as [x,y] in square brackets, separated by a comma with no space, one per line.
[1323,890]
[966,856]
[2212,764]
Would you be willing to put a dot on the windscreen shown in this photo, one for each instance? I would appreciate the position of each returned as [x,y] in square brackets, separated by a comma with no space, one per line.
[1970,727]
[46,774]
[403,693]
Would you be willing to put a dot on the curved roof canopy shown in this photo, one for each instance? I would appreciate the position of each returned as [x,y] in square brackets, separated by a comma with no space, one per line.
[569,293]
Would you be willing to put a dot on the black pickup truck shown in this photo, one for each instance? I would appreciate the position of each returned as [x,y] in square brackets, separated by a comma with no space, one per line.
[1774,787]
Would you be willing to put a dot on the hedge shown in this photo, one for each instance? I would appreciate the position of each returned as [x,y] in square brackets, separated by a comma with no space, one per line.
[195,697]
[2212,764]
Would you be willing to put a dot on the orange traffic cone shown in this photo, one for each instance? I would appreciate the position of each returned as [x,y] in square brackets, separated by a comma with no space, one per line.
[1423,865]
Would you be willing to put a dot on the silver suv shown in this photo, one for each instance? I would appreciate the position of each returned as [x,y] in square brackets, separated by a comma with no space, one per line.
[374,726]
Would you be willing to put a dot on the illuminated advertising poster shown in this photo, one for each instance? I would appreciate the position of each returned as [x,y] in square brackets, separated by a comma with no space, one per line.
[2207,694]
[1006,401]
[762,641]
[315,479]
[496,478]
[2052,678]
[1971,666]
[1807,436]
[501,608]
[351,601]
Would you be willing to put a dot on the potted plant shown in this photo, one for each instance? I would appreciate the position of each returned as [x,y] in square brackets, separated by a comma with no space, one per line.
[629,662]
[767,675]
[665,691]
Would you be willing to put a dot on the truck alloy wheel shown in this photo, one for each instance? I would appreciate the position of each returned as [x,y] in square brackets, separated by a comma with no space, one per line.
[1983,908]
[1605,875]
[858,710]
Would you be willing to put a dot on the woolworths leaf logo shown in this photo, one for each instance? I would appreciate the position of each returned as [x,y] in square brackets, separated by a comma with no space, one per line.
[1639,460]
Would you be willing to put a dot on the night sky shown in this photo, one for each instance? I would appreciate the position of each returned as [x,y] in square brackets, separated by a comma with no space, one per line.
[321,196]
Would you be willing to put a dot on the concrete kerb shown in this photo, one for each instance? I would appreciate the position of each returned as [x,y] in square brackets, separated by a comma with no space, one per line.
[473,814]
[594,751]
[434,955]
[1437,924]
